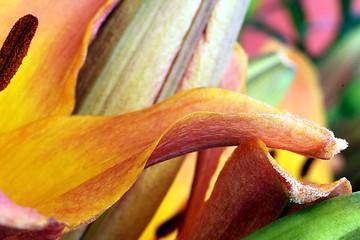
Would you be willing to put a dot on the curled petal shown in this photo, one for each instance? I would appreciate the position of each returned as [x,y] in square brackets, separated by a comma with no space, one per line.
[251,191]
[82,165]
[301,136]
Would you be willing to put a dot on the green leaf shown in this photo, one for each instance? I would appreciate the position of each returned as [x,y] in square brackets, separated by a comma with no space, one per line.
[336,218]
[269,77]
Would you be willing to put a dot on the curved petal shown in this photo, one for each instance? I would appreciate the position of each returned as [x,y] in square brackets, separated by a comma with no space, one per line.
[44,84]
[18,222]
[82,165]
[251,191]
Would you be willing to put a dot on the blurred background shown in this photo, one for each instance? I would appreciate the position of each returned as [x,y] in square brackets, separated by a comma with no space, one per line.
[327,32]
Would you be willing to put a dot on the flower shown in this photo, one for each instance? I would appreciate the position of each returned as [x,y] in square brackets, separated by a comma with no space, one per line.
[72,168]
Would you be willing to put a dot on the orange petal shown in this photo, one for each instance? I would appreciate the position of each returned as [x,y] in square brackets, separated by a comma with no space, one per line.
[44,84]
[25,223]
[251,191]
[82,165]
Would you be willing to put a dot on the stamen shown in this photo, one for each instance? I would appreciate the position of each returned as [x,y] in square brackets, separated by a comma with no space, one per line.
[15,48]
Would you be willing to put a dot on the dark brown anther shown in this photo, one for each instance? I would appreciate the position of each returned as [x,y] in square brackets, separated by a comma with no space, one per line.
[15,48]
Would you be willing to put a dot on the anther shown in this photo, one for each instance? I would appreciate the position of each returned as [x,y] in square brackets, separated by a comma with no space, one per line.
[15,48]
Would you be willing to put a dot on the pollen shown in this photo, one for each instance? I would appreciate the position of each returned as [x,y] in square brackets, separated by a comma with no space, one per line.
[15,48]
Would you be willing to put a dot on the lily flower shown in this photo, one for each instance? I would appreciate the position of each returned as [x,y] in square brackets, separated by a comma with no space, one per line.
[72,168]
[111,162]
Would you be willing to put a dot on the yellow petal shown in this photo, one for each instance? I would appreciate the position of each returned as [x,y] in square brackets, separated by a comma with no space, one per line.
[73,168]
[44,84]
